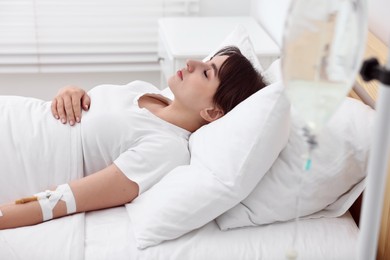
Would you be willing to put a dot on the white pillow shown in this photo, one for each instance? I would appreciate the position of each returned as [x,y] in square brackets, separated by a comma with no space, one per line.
[331,186]
[228,158]
[239,37]
[273,73]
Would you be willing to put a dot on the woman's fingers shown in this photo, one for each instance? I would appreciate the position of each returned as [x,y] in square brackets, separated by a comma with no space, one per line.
[69,101]
[85,101]
[68,104]
[61,110]
[54,108]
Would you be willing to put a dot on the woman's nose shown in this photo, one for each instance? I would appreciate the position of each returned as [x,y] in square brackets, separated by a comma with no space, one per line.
[192,65]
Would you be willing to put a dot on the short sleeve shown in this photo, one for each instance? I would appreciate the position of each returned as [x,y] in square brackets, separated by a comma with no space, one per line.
[151,158]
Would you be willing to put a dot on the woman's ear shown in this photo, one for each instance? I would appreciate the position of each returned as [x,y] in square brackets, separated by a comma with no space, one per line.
[212,113]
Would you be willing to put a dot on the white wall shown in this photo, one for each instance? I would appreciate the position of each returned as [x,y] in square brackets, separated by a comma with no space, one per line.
[46,85]
[271,14]
[378,18]
[225,7]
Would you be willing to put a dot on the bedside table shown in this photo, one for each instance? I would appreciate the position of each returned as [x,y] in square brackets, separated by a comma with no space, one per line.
[182,38]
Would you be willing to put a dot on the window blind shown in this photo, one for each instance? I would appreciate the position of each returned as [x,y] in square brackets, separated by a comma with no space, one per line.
[83,35]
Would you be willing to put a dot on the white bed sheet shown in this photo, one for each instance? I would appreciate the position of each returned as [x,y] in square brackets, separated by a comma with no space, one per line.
[58,239]
[108,235]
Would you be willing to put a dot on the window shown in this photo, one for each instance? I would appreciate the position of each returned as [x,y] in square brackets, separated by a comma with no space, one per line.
[83,35]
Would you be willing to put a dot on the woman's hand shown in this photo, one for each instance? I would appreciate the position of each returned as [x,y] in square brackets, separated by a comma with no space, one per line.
[68,103]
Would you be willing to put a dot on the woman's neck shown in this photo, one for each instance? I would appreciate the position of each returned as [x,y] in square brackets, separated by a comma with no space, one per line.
[171,112]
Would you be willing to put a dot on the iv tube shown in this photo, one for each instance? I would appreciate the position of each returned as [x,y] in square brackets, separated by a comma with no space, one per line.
[311,141]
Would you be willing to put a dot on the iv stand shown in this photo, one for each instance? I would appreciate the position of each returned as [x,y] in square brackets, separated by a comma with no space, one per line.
[377,166]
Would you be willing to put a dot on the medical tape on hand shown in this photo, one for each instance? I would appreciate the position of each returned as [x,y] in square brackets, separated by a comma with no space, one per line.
[68,197]
[49,199]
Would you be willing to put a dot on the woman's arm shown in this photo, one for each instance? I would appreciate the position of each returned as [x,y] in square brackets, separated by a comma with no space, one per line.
[104,189]
[68,103]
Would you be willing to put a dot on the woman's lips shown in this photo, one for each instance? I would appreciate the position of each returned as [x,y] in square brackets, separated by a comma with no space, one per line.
[180,74]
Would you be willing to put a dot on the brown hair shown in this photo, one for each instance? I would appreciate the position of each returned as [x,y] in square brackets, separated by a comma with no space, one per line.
[238,79]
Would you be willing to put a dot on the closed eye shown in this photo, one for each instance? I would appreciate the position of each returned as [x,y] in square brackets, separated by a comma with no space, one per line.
[205,73]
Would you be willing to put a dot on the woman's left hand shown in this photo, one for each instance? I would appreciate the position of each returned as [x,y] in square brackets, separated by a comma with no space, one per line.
[68,104]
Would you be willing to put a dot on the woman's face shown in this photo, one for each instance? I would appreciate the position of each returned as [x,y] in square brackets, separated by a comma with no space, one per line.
[194,86]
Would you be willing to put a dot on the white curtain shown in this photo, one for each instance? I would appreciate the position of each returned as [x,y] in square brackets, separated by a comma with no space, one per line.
[83,35]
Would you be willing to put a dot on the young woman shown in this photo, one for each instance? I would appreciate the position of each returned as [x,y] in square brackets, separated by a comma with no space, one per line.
[128,140]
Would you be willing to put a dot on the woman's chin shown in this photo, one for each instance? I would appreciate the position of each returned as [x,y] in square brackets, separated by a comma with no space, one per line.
[172,82]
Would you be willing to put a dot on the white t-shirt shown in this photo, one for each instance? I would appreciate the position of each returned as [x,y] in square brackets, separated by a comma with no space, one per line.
[38,152]
[115,129]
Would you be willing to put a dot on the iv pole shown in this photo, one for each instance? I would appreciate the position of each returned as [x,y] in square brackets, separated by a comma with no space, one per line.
[373,197]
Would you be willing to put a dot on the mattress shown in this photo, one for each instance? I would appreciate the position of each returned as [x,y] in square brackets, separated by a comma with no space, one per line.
[108,235]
